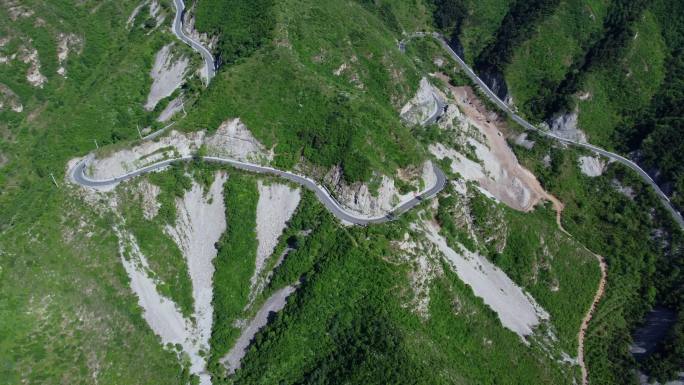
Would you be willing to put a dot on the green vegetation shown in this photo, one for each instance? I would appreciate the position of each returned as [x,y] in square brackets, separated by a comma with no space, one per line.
[287,93]
[67,313]
[234,263]
[163,255]
[618,93]
[517,26]
[242,26]
[401,16]
[666,363]
[470,24]
[642,270]
[172,184]
[657,132]
[556,270]
[539,63]
[346,322]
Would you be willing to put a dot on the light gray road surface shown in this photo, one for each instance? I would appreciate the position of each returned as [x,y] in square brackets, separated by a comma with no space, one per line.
[439,109]
[492,96]
[197,46]
[78,175]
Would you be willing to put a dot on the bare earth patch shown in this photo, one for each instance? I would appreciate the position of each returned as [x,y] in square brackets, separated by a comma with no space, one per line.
[421,106]
[232,139]
[591,166]
[273,304]
[66,43]
[171,109]
[29,55]
[499,172]
[167,73]
[517,310]
[9,99]
[200,222]
[277,202]
[359,199]
[565,126]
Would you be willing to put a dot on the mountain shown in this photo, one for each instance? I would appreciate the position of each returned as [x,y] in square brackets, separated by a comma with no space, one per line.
[230,191]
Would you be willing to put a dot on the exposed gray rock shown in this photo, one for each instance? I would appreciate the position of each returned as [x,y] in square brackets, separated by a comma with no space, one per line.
[591,166]
[565,126]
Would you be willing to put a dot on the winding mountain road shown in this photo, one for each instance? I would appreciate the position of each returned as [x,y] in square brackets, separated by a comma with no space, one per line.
[677,216]
[618,158]
[78,175]
[78,171]
[177,29]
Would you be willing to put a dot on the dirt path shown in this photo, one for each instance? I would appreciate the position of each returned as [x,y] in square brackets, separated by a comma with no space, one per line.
[512,172]
[473,107]
[585,321]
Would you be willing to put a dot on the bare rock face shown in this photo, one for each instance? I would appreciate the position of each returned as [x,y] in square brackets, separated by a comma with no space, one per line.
[496,82]
[358,197]
[66,43]
[565,126]
[591,166]
[17,11]
[8,99]
[421,106]
[167,73]
[171,109]
[231,140]
[234,140]
[29,55]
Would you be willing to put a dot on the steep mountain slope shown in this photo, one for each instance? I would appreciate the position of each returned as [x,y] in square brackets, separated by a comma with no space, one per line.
[202,273]
[605,72]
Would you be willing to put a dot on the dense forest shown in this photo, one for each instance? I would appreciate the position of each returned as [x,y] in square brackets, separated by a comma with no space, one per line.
[657,137]
[604,51]
[517,26]
[241,26]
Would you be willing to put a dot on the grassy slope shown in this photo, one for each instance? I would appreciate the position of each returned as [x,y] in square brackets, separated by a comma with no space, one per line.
[618,228]
[346,275]
[234,262]
[619,93]
[67,313]
[298,105]
[542,61]
[555,269]
[162,252]
[482,21]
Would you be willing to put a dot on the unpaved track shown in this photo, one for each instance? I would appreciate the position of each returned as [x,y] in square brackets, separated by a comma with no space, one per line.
[585,321]
[558,206]
[676,215]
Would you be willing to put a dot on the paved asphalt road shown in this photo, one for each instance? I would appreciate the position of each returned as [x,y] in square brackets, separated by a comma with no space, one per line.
[197,46]
[78,175]
[439,109]
[492,96]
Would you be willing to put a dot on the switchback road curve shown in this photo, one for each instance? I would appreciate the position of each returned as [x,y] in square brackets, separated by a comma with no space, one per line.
[78,175]
[177,29]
